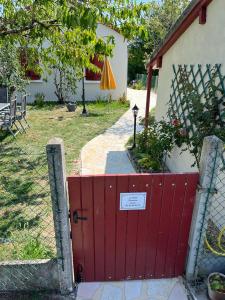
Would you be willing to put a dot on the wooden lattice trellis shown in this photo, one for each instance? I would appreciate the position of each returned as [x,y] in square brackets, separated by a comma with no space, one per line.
[193,87]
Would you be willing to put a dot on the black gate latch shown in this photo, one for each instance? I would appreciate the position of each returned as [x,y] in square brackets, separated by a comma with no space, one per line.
[76,217]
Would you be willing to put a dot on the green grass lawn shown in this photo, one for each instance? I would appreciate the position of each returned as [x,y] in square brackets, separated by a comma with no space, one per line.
[26,227]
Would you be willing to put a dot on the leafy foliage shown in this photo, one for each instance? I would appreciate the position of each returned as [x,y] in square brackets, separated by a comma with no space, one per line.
[199,112]
[156,141]
[65,31]
[11,72]
[217,283]
[204,112]
[158,20]
[138,85]
[34,249]
[65,83]
[39,100]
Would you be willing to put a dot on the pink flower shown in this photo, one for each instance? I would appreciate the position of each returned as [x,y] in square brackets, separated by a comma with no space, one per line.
[176,122]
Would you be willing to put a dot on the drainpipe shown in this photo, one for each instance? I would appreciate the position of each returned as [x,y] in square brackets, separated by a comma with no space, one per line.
[149,85]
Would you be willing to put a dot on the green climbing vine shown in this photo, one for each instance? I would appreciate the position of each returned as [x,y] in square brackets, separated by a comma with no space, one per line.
[196,109]
[198,105]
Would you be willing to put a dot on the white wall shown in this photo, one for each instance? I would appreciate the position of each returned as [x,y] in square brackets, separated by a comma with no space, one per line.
[92,91]
[199,44]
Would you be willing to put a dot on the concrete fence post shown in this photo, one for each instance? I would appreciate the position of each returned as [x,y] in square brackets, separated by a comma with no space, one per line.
[58,185]
[209,167]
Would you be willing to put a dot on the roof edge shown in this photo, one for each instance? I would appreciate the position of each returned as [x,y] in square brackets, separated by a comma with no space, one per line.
[111,27]
[184,21]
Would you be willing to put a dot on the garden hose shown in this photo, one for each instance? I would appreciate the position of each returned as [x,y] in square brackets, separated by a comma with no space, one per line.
[219,244]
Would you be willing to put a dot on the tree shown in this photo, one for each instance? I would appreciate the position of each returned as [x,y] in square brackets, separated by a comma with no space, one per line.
[159,18]
[65,82]
[64,30]
[11,71]
[136,63]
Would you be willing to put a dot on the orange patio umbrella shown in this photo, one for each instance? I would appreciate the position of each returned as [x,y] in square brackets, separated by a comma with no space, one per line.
[107,80]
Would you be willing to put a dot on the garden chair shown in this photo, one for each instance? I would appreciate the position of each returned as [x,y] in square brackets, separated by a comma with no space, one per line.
[4,95]
[8,119]
[22,112]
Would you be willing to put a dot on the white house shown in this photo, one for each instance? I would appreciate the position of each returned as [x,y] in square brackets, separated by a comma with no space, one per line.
[197,39]
[92,91]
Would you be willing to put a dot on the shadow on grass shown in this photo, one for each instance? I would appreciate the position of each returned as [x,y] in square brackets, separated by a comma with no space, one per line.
[23,187]
[14,158]
[92,114]
[15,191]
[14,220]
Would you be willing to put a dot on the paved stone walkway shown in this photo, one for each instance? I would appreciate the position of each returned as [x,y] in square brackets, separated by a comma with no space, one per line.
[106,153]
[155,289]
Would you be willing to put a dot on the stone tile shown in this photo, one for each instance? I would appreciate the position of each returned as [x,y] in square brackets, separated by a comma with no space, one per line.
[133,289]
[111,292]
[154,289]
[87,290]
[160,289]
[178,292]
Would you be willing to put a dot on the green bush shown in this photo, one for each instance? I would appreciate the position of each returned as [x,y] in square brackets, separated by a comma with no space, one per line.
[148,164]
[34,249]
[217,283]
[138,85]
[123,99]
[39,100]
[156,141]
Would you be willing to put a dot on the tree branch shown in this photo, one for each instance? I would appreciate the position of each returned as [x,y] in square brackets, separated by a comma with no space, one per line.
[34,23]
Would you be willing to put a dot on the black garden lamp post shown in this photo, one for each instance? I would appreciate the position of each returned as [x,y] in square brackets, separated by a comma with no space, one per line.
[84,111]
[135,110]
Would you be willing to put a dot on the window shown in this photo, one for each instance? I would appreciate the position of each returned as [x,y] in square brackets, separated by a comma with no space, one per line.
[90,75]
[29,73]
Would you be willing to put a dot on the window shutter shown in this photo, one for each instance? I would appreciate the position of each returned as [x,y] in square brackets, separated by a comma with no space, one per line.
[91,75]
[30,74]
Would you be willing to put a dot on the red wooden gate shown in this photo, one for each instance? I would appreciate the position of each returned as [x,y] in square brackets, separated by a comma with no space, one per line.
[113,244]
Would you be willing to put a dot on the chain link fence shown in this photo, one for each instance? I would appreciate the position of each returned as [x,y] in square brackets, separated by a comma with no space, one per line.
[26,220]
[211,244]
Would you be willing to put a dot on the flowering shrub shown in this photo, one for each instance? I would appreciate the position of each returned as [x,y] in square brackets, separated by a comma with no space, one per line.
[157,141]
[197,112]
[202,113]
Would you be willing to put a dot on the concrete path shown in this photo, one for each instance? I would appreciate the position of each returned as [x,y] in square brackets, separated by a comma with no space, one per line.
[106,153]
[155,289]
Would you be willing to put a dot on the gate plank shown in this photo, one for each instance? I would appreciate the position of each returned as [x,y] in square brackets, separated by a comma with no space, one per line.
[74,190]
[88,228]
[121,229]
[99,227]
[153,223]
[165,219]
[143,185]
[110,227]
[131,238]
[192,181]
[174,226]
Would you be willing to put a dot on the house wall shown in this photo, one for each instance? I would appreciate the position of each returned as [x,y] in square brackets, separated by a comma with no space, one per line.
[199,44]
[92,90]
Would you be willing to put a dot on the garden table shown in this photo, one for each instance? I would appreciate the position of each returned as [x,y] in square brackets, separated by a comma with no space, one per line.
[4,106]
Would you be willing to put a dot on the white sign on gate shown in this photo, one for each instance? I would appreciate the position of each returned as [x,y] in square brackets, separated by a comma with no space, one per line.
[133,201]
